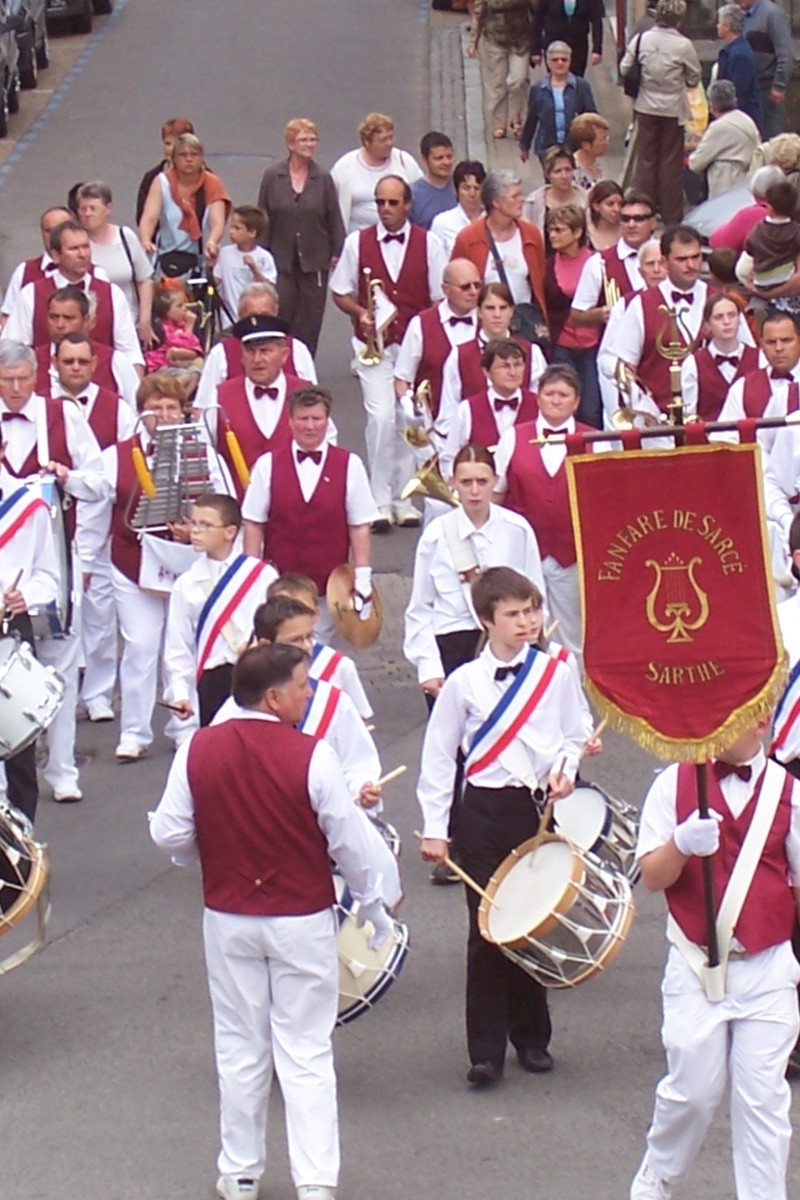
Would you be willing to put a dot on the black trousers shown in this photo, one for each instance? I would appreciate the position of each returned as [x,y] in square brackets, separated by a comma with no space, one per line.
[23,790]
[455,649]
[503,1002]
[213,690]
[302,299]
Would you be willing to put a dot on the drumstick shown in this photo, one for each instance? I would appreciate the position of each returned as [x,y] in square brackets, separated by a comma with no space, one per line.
[548,633]
[15,584]
[390,778]
[171,707]
[463,876]
[595,734]
[370,728]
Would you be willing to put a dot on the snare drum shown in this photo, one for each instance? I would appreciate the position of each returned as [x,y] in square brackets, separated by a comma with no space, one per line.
[598,824]
[388,832]
[30,696]
[558,913]
[24,875]
[54,620]
[364,975]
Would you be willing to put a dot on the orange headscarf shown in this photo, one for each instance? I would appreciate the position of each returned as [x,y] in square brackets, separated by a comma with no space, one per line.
[214,189]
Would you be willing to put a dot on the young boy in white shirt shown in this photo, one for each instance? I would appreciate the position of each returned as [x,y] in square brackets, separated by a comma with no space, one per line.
[244,261]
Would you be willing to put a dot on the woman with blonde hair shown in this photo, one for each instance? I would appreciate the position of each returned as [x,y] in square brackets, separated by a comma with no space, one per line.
[189,206]
[589,138]
[305,233]
[356,173]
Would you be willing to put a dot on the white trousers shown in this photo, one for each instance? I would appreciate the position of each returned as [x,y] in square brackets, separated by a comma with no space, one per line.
[274,990]
[142,617]
[64,655]
[99,633]
[564,602]
[389,457]
[743,1042]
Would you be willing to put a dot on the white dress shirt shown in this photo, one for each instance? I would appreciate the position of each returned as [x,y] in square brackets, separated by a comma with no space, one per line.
[215,371]
[266,410]
[186,602]
[733,410]
[590,284]
[32,551]
[459,430]
[553,732]
[126,379]
[87,479]
[453,390]
[86,400]
[553,453]
[345,676]
[20,320]
[14,285]
[359,504]
[410,353]
[438,604]
[689,374]
[348,835]
[344,279]
[781,475]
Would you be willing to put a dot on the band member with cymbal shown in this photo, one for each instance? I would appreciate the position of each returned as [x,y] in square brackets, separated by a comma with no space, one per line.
[744,1039]
[309,507]
[514,713]
[264,838]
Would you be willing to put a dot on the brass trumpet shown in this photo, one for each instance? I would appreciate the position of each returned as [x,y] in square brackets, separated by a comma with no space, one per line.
[428,481]
[418,436]
[611,291]
[372,354]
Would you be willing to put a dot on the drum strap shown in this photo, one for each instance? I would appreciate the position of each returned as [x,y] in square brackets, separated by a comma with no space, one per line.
[463,555]
[738,886]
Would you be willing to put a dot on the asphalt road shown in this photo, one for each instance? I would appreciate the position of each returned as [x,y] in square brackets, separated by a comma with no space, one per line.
[108,1088]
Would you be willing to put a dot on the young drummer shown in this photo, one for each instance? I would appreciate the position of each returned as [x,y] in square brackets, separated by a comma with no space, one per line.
[514,712]
[211,610]
[326,663]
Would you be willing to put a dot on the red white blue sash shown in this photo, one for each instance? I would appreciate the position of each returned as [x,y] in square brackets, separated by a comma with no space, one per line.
[17,510]
[320,710]
[559,653]
[230,590]
[512,711]
[786,730]
[324,662]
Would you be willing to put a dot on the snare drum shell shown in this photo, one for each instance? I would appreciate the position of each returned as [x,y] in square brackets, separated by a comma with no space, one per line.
[562,903]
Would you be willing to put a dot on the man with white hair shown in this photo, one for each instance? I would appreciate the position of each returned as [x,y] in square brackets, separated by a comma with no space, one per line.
[736,61]
[725,151]
[653,270]
[733,234]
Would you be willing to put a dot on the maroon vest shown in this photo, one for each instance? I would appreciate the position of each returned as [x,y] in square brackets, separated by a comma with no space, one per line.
[103,375]
[470,371]
[615,270]
[126,551]
[262,852]
[233,357]
[712,386]
[308,537]
[653,370]
[409,293]
[103,326]
[232,399]
[757,393]
[436,346]
[57,442]
[483,429]
[103,418]
[768,914]
[33,271]
[542,499]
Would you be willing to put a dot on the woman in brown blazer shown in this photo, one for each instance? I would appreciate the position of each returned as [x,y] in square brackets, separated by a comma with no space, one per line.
[305,234]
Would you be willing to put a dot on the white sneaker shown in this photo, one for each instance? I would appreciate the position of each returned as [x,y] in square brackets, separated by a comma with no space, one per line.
[99,710]
[230,1188]
[314,1191]
[130,751]
[647,1186]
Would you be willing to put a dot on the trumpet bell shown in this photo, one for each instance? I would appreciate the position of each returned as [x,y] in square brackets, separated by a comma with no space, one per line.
[428,481]
[626,417]
[339,595]
[416,436]
[370,356]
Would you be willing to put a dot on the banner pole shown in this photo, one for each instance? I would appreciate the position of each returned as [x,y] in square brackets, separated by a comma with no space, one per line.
[708,878]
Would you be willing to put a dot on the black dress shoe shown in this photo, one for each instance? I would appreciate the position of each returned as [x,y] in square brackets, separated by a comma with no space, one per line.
[482,1074]
[535,1060]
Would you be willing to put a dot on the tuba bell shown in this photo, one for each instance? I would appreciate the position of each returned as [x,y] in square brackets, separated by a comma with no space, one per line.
[428,481]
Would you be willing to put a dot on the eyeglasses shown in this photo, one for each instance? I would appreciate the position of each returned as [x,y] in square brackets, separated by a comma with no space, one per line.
[639,218]
[558,58]
[203,526]
[474,285]
[389,203]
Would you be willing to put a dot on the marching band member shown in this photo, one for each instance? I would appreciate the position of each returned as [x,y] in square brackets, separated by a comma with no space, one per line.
[514,713]
[592,745]
[785,746]
[37,267]
[109,417]
[483,418]
[264,838]
[745,1038]
[772,390]
[309,506]
[211,609]
[326,664]
[224,360]
[708,373]
[532,481]
[69,311]
[617,265]
[408,262]
[112,325]
[47,436]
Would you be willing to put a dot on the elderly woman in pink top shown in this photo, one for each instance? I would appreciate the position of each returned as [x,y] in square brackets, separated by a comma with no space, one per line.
[575,345]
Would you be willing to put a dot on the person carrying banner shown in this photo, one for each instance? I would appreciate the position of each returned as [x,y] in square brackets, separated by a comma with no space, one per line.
[211,609]
[743,1040]
[514,712]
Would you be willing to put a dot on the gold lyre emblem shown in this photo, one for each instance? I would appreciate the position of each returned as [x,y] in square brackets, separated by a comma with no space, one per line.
[683,609]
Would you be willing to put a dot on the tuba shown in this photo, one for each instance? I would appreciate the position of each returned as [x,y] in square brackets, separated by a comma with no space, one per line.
[372,354]
[428,481]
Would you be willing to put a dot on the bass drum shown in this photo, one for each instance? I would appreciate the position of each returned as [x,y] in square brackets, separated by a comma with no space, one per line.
[24,878]
[364,975]
[55,620]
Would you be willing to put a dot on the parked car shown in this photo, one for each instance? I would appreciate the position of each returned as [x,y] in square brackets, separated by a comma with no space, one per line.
[9,67]
[79,12]
[31,30]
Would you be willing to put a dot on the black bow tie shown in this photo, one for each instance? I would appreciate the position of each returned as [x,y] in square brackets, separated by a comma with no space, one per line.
[686,297]
[314,455]
[731,359]
[51,266]
[547,433]
[781,375]
[395,237]
[500,404]
[259,392]
[722,770]
[457,320]
[503,672]
[12,416]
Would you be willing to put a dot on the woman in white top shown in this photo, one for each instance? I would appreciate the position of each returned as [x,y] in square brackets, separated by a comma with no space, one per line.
[441,629]
[117,249]
[467,179]
[356,173]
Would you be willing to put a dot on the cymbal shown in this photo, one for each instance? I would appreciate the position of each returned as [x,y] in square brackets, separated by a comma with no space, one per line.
[339,595]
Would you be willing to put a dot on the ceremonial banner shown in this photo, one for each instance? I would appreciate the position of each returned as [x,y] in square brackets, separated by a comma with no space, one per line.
[681,647]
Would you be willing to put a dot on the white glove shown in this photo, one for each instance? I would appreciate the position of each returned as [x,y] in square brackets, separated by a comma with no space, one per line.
[406,403]
[382,925]
[699,835]
[362,597]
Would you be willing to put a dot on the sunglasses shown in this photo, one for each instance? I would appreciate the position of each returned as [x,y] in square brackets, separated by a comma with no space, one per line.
[639,218]
[474,286]
[389,203]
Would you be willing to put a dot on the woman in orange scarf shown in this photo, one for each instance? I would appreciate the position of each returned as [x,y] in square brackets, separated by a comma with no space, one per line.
[188,205]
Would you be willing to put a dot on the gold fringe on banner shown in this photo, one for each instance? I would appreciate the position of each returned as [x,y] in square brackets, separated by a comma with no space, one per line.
[701,749]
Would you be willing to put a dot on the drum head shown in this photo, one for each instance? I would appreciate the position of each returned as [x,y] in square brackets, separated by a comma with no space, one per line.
[535,881]
[24,871]
[364,974]
[584,816]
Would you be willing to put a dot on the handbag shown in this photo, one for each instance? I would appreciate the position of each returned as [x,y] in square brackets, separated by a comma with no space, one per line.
[528,319]
[632,79]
